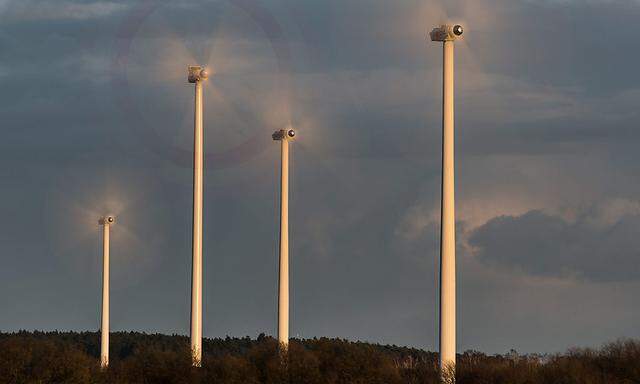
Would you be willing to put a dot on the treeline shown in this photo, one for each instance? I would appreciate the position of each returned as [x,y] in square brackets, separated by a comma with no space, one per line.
[55,357]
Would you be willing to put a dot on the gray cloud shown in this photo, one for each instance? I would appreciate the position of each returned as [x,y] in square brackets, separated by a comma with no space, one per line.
[547,105]
[600,245]
[44,11]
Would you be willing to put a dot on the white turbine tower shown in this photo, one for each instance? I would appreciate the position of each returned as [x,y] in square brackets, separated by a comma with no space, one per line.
[447,34]
[106,223]
[196,76]
[284,136]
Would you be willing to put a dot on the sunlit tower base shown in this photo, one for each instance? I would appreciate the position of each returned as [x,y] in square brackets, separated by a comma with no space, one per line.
[196,76]
[447,34]
[284,136]
[106,223]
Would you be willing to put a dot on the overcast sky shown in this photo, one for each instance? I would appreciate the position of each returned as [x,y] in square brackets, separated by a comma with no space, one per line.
[96,117]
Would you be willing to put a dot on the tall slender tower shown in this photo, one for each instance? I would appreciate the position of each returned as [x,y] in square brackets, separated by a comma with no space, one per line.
[196,76]
[106,223]
[447,34]
[284,136]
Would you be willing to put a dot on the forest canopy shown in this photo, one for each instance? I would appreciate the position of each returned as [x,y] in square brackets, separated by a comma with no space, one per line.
[69,357]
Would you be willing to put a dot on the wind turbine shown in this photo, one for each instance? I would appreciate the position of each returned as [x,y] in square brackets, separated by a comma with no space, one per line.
[196,76]
[284,136]
[447,34]
[106,223]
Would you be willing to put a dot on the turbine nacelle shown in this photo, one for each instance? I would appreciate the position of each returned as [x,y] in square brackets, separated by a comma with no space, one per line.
[197,73]
[284,134]
[107,220]
[446,33]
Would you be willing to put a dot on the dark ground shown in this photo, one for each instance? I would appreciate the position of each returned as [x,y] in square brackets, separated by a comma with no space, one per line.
[27,357]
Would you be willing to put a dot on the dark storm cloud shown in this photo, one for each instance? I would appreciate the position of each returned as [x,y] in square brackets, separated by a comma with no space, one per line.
[546,91]
[549,245]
